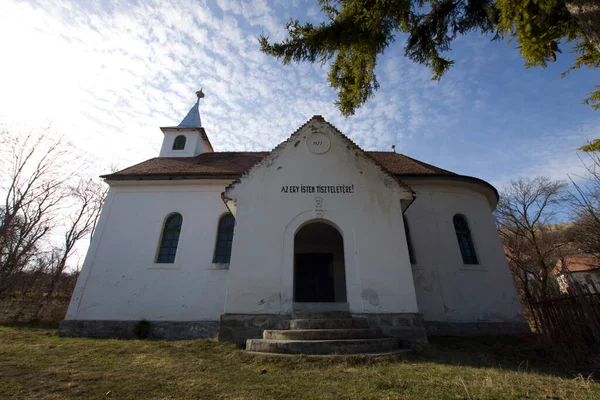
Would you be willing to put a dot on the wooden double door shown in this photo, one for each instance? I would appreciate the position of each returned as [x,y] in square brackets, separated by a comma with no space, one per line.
[313,278]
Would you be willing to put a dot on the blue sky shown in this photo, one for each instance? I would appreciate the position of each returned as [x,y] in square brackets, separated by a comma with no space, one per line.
[109,74]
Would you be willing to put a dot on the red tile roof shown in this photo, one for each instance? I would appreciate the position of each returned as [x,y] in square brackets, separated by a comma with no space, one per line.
[234,164]
[579,263]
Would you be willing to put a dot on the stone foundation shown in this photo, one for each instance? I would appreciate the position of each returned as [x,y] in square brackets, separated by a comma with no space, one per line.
[172,330]
[404,326]
[440,328]
[237,328]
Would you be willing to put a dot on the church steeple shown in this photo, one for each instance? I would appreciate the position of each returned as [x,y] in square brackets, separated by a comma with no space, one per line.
[188,139]
[192,119]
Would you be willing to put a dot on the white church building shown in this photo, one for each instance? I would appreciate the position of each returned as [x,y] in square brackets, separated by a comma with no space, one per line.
[233,244]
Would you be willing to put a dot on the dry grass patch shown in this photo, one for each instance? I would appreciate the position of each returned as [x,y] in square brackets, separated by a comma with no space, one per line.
[36,364]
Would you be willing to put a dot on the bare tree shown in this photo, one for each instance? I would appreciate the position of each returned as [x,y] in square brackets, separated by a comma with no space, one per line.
[585,202]
[525,214]
[44,198]
[34,171]
[87,198]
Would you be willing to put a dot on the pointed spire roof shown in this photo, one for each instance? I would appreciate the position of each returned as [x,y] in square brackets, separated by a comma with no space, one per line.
[192,119]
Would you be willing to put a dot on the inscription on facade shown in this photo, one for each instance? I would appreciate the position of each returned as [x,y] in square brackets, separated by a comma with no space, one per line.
[319,212]
[334,189]
[318,143]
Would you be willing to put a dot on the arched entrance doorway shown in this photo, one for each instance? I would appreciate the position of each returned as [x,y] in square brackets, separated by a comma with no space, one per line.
[319,270]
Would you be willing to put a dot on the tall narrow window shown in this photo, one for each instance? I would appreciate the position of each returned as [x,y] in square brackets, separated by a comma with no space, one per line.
[411,251]
[224,239]
[170,239]
[463,234]
[179,143]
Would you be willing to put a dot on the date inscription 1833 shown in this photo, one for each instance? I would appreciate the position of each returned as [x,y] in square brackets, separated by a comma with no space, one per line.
[337,189]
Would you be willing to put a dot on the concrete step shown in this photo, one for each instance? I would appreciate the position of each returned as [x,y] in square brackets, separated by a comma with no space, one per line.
[312,314]
[353,346]
[333,323]
[398,352]
[323,334]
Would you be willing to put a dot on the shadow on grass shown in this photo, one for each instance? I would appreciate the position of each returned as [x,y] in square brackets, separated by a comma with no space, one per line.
[520,354]
[31,325]
[516,353]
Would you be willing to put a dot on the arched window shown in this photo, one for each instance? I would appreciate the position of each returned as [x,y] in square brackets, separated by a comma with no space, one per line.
[224,239]
[411,251]
[463,234]
[169,239]
[179,143]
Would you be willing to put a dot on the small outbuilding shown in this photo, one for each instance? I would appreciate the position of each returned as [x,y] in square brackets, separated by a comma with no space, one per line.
[581,270]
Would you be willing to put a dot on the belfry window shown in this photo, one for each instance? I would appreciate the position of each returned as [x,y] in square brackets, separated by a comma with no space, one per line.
[179,143]
[411,251]
[224,239]
[463,235]
[169,239]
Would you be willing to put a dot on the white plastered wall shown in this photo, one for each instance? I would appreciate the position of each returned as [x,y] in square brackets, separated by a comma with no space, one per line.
[378,273]
[120,279]
[194,145]
[447,289]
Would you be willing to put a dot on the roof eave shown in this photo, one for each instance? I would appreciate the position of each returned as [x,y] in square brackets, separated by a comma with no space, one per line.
[166,177]
[137,177]
[461,178]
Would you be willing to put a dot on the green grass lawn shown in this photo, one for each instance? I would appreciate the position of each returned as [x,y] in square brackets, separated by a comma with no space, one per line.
[36,364]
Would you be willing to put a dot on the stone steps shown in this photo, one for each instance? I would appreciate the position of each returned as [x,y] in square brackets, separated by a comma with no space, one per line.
[333,323]
[314,331]
[352,346]
[323,334]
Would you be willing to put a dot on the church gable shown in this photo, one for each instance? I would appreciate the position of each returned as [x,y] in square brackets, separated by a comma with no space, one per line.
[317,159]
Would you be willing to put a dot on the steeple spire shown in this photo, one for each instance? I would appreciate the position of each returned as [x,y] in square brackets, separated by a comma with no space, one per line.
[192,119]
[188,139]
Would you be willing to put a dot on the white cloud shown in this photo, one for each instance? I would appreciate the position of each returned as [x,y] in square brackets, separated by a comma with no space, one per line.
[109,74]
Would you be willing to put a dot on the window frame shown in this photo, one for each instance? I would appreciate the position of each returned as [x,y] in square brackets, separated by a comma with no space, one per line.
[216,256]
[466,258]
[175,143]
[157,259]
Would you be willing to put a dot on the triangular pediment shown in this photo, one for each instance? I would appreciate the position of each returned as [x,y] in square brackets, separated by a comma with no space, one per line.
[318,159]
